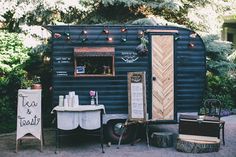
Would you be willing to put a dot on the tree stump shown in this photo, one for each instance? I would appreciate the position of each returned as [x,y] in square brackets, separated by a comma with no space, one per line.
[162,139]
[197,144]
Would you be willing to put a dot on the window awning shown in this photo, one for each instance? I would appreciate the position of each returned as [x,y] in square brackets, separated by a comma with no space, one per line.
[94,51]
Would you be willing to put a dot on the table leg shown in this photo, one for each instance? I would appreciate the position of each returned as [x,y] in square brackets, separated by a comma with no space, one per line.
[16,146]
[101,132]
[147,137]
[57,140]
[223,133]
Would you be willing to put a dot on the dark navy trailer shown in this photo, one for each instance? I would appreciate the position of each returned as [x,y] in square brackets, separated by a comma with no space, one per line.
[98,57]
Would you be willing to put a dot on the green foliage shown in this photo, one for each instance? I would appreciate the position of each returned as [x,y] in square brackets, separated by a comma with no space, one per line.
[13,56]
[43,12]
[12,52]
[222,88]
[221,76]
[7,115]
[218,53]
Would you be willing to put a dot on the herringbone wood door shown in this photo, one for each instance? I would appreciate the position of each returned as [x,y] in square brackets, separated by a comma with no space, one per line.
[163,77]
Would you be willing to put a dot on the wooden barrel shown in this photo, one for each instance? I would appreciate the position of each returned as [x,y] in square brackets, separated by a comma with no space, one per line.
[162,139]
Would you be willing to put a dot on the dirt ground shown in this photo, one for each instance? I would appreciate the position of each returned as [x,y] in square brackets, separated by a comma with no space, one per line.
[80,145]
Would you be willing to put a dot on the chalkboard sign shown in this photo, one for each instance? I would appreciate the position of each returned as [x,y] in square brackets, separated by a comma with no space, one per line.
[137,96]
[61,73]
[29,114]
[63,59]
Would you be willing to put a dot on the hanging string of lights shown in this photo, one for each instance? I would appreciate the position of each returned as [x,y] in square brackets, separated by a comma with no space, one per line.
[83,36]
[124,32]
[192,36]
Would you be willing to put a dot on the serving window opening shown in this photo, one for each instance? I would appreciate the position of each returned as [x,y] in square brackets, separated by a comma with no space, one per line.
[94,61]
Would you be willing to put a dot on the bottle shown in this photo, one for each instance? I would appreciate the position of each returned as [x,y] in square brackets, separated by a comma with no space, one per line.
[92,101]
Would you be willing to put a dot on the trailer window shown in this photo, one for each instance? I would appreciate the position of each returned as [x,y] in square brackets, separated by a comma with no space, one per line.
[94,61]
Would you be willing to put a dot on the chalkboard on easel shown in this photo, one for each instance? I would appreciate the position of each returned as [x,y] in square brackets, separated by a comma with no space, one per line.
[137,103]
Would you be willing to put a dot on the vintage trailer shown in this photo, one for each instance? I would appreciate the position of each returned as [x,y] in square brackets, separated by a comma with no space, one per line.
[98,57]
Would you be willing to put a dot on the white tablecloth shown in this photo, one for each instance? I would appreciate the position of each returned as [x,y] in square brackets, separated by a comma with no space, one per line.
[86,116]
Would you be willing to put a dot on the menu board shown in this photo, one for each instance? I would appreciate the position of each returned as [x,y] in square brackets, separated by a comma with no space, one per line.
[137,96]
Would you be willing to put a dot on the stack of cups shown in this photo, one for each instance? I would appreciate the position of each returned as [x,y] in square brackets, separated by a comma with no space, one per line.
[76,100]
[70,100]
[66,104]
[61,100]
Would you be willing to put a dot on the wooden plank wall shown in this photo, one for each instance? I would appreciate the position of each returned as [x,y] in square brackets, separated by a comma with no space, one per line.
[163,71]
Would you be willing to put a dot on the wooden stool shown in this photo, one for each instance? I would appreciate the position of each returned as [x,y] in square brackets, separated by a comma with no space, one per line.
[162,139]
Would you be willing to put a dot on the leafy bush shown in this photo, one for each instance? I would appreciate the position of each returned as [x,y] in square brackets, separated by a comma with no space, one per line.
[12,51]
[221,75]
[7,115]
[222,88]
[13,56]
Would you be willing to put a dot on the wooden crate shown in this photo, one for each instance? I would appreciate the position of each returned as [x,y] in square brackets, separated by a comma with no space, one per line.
[192,125]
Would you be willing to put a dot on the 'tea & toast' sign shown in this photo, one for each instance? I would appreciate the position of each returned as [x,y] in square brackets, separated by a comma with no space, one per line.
[29,113]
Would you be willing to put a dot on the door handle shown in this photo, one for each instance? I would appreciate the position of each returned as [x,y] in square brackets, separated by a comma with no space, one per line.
[154,78]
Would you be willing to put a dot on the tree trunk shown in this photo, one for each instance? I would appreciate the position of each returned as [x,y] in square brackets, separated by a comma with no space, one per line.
[162,139]
[197,144]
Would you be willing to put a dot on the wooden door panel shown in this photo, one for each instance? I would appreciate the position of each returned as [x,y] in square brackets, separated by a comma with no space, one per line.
[163,70]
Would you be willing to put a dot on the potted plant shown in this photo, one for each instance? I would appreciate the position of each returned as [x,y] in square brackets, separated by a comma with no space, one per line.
[36,84]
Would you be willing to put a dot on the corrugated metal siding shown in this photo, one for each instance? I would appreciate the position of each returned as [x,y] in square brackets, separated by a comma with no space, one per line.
[189,68]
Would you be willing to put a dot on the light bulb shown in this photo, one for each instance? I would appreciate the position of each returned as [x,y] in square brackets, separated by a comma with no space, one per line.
[109,39]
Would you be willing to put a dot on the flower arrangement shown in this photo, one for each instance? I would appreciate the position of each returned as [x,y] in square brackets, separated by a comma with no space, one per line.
[92,93]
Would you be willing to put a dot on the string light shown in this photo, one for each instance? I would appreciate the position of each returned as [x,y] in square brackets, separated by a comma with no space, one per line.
[57,35]
[105,31]
[177,36]
[123,34]
[193,35]
[123,29]
[84,36]
[140,34]
[84,39]
[191,45]
[109,38]
[123,39]
[84,32]
[67,36]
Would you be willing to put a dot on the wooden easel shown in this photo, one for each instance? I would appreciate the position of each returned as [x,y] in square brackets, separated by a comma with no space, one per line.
[137,104]
[29,137]
[137,123]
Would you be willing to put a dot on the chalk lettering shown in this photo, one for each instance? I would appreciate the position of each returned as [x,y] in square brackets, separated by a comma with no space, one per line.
[34,121]
[27,103]
[23,98]
[28,111]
